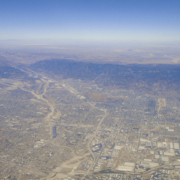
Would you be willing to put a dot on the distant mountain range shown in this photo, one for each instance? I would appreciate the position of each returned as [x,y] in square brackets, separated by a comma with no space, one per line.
[11,72]
[134,75]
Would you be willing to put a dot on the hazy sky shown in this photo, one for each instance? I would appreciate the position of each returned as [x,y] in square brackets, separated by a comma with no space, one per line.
[99,20]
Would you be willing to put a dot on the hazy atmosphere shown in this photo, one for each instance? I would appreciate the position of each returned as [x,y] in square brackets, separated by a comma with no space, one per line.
[89,89]
[118,31]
